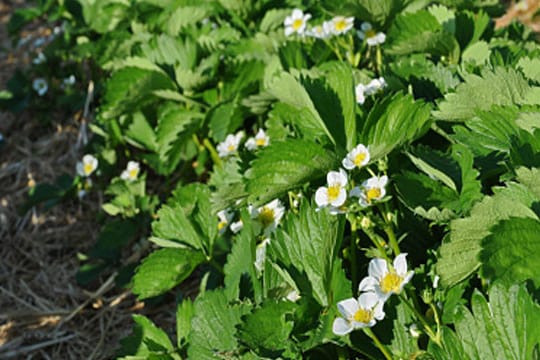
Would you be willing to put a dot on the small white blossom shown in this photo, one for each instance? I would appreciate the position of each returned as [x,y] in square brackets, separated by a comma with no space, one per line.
[225,217]
[334,194]
[413,330]
[384,281]
[260,255]
[371,36]
[374,86]
[318,31]
[268,215]
[131,172]
[339,25]
[237,226]
[356,158]
[357,314]
[436,281]
[230,145]
[260,140]
[87,166]
[39,59]
[293,296]
[70,80]
[373,189]
[296,22]
[40,86]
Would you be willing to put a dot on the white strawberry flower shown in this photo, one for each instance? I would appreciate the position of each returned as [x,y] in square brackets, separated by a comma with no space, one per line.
[334,194]
[296,22]
[384,281]
[40,86]
[237,226]
[318,31]
[356,158]
[260,254]
[373,189]
[268,215]
[225,217]
[357,314]
[371,36]
[131,172]
[260,140]
[339,25]
[373,87]
[39,59]
[70,80]
[229,145]
[87,166]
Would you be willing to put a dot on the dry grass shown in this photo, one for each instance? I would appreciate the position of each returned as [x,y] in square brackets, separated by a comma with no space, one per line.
[44,314]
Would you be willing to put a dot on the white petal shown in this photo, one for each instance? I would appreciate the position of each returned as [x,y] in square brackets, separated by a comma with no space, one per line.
[365,26]
[348,307]
[378,312]
[237,226]
[400,264]
[321,196]
[250,144]
[355,192]
[368,284]
[297,14]
[380,37]
[368,300]
[361,35]
[348,164]
[340,200]
[341,327]
[378,268]
[80,169]
[288,21]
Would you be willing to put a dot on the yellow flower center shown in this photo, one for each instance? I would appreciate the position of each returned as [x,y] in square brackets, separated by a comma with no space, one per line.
[391,282]
[266,216]
[133,173]
[363,316]
[333,192]
[221,225]
[297,24]
[260,142]
[373,193]
[340,25]
[359,158]
[231,147]
[370,33]
[88,168]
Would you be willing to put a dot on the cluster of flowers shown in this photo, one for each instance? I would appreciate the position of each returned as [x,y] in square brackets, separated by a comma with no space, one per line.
[334,195]
[374,290]
[232,142]
[41,86]
[89,164]
[297,23]
[373,87]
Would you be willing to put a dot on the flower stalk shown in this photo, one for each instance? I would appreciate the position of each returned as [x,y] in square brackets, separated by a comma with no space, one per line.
[378,343]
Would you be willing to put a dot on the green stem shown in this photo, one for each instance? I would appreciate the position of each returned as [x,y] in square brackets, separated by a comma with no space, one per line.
[352,251]
[213,153]
[437,320]
[377,241]
[377,342]
[392,238]
[379,60]
[423,321]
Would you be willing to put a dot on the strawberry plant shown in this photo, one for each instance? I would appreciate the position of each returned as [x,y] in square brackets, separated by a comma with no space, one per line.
[353,179]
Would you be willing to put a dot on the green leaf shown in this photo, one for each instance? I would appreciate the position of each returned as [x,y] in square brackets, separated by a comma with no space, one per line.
[146,339]
[510,252]
[130,88]
[478,53]
[380,12]
[420,32]
[188,219]
[227,184]
[184,313]
[530,67]
[268,328]
[289,91]
[504,328]
[240,264]
[105,15]
[113,236]
[284,166]
[460,250]
[164,269]
[499,87]
[339,77]
[140,133]
[306,246]
[393,122]
[213,328]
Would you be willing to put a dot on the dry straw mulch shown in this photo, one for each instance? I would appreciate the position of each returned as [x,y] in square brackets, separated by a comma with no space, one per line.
[44,313]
